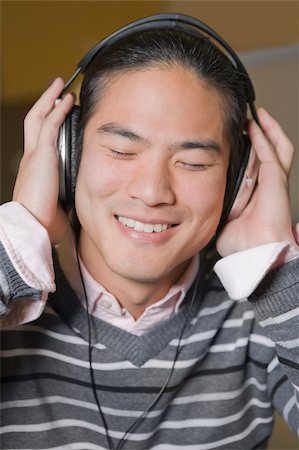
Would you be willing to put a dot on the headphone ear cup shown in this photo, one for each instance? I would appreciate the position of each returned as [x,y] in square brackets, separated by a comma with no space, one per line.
[240,185]
[246,181]
[67,151]
[74,157]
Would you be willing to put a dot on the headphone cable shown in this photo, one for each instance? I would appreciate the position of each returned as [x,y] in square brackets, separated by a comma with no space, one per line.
[91,371]
[136,423]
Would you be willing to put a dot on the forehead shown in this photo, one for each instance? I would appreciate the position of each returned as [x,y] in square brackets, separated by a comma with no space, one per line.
[162,100]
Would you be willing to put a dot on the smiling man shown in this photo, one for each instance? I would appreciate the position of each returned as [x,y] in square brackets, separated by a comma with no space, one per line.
[135,342]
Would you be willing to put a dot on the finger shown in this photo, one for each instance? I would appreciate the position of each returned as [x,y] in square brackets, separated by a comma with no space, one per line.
[37,114]
[278,139]
[50,127]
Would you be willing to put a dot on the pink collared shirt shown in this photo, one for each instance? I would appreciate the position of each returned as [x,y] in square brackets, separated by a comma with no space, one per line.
[105,306]
[28,247]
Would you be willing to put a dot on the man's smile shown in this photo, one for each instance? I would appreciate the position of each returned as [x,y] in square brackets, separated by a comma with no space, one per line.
[142,226]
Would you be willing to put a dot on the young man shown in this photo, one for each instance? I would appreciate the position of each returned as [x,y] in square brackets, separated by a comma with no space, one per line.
[140,346]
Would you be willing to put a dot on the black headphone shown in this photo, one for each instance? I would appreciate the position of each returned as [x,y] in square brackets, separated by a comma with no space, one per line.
[67,139]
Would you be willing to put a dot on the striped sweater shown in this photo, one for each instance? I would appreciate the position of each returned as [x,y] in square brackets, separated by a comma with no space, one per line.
[238,361]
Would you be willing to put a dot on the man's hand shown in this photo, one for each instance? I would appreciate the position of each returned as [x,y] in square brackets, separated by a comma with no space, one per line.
[37,183]
[267,217]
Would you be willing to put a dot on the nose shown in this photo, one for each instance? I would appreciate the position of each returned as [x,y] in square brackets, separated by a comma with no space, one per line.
[152,184]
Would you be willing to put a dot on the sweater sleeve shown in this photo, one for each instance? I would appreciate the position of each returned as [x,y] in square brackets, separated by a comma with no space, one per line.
[276,307]
[26,268]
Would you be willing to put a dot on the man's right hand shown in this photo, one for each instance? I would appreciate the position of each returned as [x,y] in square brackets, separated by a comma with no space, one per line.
[37,182]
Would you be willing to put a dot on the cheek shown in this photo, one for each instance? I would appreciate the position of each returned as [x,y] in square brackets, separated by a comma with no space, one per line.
[96,178]
[96,183]
[205,196]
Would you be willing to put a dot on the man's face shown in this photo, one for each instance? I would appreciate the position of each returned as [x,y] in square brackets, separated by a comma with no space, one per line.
[152,178]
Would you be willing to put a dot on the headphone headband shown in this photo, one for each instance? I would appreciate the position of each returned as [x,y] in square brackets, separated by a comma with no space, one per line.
[67,141]
[161,21]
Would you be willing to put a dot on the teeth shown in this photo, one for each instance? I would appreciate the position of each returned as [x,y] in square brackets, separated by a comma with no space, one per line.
[148,228]
[139,226]
[144,227]
[159,227]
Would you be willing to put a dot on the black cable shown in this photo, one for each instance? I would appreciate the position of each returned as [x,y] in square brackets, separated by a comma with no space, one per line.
[137,422]
[91,371]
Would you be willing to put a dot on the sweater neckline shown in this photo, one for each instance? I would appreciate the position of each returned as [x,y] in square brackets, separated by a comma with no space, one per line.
[136,349]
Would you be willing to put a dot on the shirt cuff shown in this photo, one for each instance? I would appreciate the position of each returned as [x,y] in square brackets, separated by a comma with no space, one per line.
[28,246]
[241,272]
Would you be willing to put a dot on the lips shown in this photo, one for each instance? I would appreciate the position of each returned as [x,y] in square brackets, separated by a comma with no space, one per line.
[143,227]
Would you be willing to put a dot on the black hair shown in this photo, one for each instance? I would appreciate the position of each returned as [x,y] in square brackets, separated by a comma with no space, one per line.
[172,48]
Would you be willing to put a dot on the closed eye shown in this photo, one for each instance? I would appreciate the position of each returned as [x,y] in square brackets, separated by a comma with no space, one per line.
[120,154]
[190,166]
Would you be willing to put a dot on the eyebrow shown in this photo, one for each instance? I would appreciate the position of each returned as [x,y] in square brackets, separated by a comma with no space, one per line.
[205,144]
[118,130]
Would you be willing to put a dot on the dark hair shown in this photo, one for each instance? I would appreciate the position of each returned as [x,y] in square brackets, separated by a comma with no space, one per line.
[169,48]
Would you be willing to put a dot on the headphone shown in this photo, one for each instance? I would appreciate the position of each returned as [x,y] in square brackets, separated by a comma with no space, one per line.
[67,139]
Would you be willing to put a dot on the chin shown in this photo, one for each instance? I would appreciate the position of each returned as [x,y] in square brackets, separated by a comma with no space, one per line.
[147,271]
[144,275]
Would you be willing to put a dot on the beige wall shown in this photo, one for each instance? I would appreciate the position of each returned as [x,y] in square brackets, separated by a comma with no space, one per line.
[246,24]
[43,39]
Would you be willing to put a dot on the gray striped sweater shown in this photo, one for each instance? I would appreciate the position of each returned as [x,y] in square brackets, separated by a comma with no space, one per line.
[237,362]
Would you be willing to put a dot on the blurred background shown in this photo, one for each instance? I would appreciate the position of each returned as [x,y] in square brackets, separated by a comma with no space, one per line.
[43,39]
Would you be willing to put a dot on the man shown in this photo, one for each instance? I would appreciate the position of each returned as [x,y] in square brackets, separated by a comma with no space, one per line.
[140,346]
